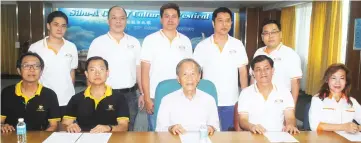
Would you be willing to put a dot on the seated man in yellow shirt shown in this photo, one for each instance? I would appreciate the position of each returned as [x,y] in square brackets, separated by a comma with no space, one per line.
[97,109]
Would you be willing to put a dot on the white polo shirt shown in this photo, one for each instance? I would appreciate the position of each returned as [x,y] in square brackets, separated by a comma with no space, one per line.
[176,108]
[163,56]
[222,67]
[287,65]
[332,112]
[122,57]
[56,73]
[269,113]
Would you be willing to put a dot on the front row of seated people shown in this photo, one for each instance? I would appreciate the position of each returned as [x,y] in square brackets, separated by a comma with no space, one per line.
[262,106]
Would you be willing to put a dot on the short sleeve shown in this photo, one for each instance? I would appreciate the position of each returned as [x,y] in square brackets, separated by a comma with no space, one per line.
[31,48]
[54,109]
[242,56]
[189,49]
[197,55]
[122,108]
[4,103]
[294,71]
[243,103]
[289,102]
[146,53]
[315,113]
[137,49]
[71,108]
[92,49]
[74,62]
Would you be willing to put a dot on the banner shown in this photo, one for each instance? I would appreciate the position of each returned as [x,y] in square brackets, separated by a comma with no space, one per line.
[85,24]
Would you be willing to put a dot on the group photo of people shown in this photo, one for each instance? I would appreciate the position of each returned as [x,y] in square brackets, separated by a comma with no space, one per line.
[165,84]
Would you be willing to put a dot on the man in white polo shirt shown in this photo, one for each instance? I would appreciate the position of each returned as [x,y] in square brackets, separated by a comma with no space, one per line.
[122,52]
[288,70]
[222,57]
[264,106]
[60,58]
[161,52]
[188,108]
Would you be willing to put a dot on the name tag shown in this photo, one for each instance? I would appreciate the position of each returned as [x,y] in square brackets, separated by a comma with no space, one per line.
[328,108]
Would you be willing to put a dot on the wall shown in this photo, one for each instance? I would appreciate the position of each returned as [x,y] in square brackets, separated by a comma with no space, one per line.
[353,57]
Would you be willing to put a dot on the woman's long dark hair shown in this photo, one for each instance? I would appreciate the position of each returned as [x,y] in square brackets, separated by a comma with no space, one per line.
[324,92]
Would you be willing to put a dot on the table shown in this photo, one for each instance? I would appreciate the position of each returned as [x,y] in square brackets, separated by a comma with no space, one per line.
[165,137]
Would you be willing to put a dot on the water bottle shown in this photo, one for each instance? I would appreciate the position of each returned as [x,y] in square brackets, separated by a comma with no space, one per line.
[203,131]
[21,130]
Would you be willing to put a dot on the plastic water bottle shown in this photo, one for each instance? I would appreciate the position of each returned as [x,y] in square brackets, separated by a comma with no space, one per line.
[203,131]
[21,130]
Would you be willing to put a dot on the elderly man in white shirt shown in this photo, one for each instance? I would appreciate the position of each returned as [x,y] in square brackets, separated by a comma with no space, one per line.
[187,108]
[263,106]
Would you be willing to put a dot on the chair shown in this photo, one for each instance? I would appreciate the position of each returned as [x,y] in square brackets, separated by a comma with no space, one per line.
[168,86]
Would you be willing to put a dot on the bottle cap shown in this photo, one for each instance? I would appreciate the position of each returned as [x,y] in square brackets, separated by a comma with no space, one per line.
[21,120]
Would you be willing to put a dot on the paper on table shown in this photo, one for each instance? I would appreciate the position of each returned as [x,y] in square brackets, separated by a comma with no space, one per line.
[94,138]
[351,137]
[192,137]
[62,137]
[279,137]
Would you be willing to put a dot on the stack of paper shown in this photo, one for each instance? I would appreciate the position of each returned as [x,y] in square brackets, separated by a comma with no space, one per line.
[192,137]
[279,137]
[62,137]
[351,137]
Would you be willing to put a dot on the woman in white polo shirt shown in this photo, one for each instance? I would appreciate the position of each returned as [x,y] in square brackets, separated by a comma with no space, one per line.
[60,58]
[333,108]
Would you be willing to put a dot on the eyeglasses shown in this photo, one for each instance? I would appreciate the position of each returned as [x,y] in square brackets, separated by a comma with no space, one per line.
[270,33]
[34,66]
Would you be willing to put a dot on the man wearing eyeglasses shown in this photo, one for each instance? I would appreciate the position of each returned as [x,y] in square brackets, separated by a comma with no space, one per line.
[29,99]
[287,63]
[98,108]
[122,51]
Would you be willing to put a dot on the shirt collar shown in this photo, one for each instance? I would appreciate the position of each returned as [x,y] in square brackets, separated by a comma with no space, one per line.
[277,49]
[108,92]
[165,37]
[212,38]
[18,91]
[45,44]
[115,40]
[257,90]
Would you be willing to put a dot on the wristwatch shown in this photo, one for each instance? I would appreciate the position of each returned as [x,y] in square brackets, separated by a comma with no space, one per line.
[111,128]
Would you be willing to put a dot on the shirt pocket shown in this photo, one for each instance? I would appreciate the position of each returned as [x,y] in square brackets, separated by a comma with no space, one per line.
[328,114]
[348,115]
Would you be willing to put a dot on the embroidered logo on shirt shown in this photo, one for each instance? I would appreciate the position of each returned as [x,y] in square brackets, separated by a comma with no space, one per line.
[181,47]
[277,59]
[110,108]
[40,108]
[231,52]
[278,101]
[68,55]
[328,108]
[130,46]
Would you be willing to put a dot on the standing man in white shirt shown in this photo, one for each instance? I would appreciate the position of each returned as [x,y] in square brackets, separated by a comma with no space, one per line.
[122,51]
[161,52]
[222,58]
[188,108]
[264,106]
[288,70]
[60,57]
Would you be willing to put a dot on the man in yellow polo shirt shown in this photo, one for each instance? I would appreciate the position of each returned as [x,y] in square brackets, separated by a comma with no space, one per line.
[29,99]
[97,109]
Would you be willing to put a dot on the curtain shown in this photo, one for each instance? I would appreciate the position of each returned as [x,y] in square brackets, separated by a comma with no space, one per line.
[288,24]
[325,41]
[9,54]
[303,20]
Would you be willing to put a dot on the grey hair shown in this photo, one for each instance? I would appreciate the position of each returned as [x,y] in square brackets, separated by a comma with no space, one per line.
[188,60]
